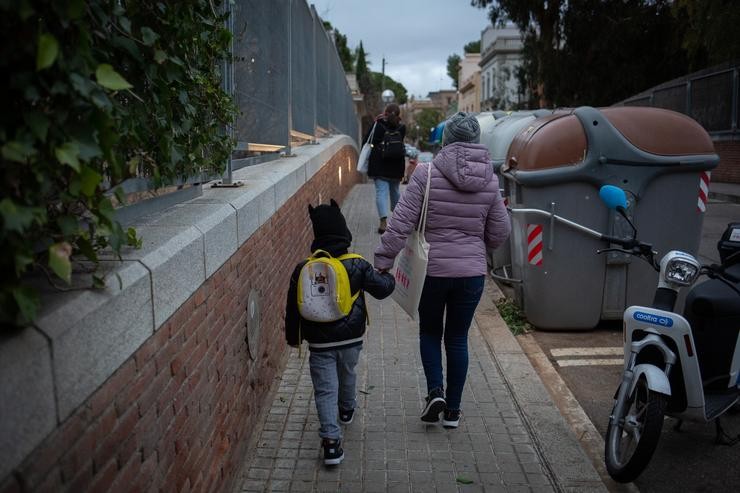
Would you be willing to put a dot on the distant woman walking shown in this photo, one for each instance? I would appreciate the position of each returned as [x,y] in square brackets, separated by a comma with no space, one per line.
[465,215]
[387,160]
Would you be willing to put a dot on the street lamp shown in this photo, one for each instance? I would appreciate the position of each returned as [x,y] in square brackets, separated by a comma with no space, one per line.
[388,96]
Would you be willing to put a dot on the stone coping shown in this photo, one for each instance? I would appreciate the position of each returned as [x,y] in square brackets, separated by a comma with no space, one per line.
[83,336]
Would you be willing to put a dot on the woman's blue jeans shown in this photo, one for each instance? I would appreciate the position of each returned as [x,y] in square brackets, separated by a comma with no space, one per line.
[386,189]
[445,313]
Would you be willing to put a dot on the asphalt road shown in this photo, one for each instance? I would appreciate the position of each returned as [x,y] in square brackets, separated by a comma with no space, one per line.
[590,363]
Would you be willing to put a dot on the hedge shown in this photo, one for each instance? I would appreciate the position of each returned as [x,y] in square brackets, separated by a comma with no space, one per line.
[97,92]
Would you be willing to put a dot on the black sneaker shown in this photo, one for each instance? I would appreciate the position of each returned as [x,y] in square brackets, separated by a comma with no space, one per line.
[346,417]
[451,418]
[435,404]
[333,453]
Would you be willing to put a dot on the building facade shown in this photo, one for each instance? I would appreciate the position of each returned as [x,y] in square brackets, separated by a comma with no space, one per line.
[501,56]
[468,92]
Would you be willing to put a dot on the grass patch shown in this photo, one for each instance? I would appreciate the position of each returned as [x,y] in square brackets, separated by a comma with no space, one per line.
[513,317]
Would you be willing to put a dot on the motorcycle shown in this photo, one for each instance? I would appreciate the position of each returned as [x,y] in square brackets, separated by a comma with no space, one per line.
[684,366]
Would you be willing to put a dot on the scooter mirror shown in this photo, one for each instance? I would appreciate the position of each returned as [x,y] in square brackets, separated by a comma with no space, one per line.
[613,197]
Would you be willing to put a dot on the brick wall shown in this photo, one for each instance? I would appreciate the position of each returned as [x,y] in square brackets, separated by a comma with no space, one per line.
[177,415]
[728,170]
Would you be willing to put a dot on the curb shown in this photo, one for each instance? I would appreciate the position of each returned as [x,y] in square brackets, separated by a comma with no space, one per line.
[724,197]
[568,464]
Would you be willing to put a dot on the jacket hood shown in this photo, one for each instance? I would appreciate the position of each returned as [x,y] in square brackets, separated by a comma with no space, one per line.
[467,166]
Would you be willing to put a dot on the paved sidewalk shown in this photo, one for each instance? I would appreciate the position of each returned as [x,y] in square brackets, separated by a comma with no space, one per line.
[511,437]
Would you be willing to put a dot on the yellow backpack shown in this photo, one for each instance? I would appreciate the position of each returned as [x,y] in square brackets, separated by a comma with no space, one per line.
[324,293]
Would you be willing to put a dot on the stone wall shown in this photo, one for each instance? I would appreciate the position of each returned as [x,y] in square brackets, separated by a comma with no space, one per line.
[163,391]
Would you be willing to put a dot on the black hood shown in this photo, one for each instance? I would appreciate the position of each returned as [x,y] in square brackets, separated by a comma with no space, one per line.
[330,230]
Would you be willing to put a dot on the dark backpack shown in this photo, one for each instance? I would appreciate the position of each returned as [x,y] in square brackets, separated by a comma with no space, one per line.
[391,147]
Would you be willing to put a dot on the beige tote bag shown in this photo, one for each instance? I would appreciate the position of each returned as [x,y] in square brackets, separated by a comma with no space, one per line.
[411,263]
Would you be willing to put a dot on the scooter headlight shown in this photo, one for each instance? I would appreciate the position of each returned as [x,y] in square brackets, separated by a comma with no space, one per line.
[681,271]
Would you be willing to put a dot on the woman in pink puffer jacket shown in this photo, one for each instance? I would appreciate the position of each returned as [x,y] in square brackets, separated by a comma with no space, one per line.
[466,214]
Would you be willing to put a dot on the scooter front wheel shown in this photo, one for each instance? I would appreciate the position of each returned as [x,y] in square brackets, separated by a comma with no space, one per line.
[633,434]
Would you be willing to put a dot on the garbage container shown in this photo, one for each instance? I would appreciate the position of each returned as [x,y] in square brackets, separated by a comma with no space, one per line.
[557,164]
[497,134]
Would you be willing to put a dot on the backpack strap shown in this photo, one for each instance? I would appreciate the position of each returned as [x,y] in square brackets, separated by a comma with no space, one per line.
[348,256]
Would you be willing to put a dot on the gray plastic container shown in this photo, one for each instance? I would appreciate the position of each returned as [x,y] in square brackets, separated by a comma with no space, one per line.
[497,134]
[558,165]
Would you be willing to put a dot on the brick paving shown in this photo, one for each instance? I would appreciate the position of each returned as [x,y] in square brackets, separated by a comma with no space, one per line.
[387,447]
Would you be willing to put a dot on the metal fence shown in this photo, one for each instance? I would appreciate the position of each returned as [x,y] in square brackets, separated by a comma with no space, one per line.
[711,97]
[288,81]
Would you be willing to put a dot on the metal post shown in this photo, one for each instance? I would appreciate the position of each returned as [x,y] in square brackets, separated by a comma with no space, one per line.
[288,152]
[228,86]
[314,18]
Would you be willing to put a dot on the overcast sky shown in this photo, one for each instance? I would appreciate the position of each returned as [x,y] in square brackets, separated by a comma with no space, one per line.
[415,36]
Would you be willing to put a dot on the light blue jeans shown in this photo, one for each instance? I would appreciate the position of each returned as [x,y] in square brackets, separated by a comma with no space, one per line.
[334,378]
[386,188]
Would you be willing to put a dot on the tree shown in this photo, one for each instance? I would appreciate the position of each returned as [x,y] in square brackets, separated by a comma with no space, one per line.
[540,23]
[398,89]
[361,69]
[472,47]
[710,31]
[427,119]
[340,42]
[453,68]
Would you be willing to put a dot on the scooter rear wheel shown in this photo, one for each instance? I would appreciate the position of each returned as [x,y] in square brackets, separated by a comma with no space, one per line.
[632,437]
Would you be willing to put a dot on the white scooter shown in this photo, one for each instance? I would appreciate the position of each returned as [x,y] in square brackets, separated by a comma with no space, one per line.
[687,367]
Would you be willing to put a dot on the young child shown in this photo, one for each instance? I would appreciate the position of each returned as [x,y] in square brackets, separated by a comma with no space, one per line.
[335,346]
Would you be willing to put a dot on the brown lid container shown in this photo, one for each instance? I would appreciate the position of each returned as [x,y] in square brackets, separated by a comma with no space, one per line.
[559,139]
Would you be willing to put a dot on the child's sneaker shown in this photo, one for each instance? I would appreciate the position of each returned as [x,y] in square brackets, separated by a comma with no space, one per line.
[435,404]
[451,418]
[333,453]
[346,417]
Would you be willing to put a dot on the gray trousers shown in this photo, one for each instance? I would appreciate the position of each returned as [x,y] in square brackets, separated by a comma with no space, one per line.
[334,379]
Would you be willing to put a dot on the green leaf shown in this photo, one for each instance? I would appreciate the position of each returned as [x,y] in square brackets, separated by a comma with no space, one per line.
[59,254]
[68,225]
[105,208]
[28,302]
[148,36]
[67,154]
[98,282]
[86,249]
[89,149]
[89,181]
[38,124]
[22,260]
[25,10]
[47,51]
[160,56]
[120,195]
[463,480]
[133,240]
[18,151]
[75,9]
[19,218]
[125,24]
[110,79]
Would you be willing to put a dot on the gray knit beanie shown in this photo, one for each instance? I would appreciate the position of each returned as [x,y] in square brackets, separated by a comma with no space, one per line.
[461,127]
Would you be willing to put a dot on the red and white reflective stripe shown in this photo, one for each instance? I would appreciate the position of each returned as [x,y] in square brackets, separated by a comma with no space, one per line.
[534,244]
[701,204]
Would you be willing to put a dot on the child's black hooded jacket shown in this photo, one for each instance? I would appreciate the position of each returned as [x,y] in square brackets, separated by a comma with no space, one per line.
[331,234]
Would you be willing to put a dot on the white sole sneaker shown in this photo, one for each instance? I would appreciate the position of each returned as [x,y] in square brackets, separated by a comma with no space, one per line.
[335,461]
[430,414]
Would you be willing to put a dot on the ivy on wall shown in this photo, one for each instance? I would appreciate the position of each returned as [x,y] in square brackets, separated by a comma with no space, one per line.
[96,92]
